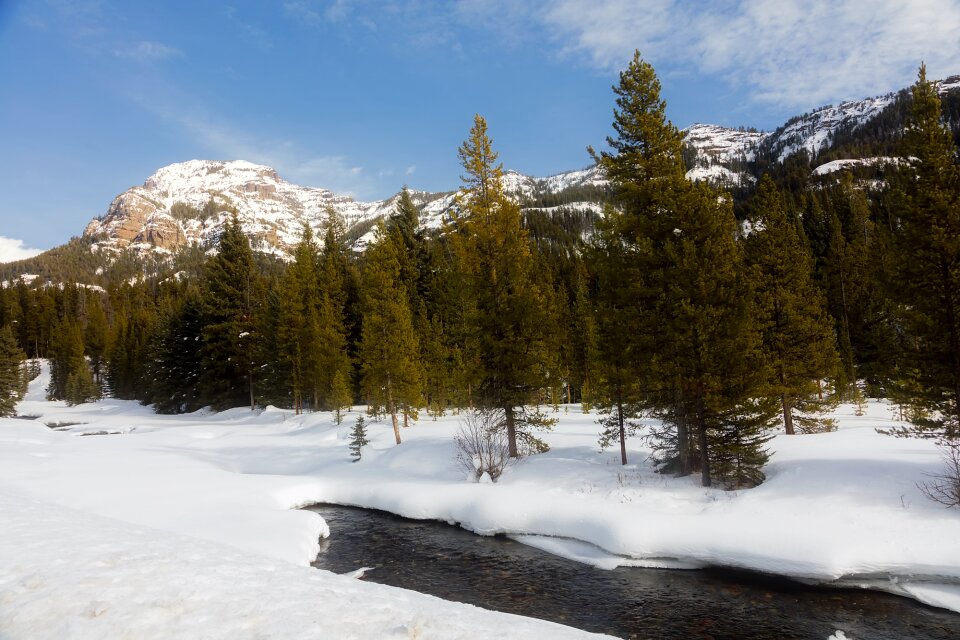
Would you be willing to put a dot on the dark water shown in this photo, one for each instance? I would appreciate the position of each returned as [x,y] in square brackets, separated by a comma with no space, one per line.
[498,573]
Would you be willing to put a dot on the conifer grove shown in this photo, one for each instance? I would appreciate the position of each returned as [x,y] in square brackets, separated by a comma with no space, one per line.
[725,316]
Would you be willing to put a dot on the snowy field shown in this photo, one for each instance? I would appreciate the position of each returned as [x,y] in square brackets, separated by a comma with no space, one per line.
[186,526]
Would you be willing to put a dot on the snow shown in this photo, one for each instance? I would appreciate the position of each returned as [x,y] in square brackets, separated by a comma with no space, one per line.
[718,174]
[837,508]
[271,210]
[723,144]
[813,131]
[841,165]
[69,574]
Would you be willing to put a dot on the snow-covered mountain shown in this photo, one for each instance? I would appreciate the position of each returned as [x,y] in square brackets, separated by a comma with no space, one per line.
[721,154]
[187,203]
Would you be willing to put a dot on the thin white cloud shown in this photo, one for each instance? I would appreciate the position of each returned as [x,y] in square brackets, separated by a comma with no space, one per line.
[608,31]
[805,53]
[147,51]
[12,250]
[303,11]
[224,142]
[249,31]
[410,170]
[792,53]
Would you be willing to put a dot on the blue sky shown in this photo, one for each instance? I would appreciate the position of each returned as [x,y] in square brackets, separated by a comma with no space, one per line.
[364,96]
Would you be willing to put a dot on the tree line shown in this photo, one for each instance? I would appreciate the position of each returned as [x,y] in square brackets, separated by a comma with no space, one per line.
[667,306]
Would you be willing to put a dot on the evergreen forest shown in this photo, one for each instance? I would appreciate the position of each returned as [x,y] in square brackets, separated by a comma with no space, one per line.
[726,316]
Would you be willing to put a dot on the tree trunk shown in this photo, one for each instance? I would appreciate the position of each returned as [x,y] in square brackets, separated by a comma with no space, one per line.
[952,428]
[511,431]
[623,435]
[787,414]
[702,436]
[393,409]
[683,437]
[396,426]
[253,404]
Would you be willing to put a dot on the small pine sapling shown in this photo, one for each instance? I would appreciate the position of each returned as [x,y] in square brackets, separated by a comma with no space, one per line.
[860,401]
[358,438]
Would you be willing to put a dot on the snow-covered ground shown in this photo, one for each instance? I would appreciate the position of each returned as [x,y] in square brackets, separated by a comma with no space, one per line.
[190,522]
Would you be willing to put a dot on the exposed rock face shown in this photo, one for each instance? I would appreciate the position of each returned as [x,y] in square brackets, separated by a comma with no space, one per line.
[126,218]
[173,206]
[162,231]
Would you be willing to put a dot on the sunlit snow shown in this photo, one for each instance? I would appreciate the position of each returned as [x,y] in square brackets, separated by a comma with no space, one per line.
[128,527]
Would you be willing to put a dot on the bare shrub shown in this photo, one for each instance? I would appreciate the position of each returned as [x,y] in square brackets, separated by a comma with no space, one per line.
[944,487]
[482,444]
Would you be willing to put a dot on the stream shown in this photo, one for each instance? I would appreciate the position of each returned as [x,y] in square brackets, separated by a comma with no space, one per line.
[499,573]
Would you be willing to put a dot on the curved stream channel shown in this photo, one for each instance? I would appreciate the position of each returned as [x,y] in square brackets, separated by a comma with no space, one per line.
[498,573]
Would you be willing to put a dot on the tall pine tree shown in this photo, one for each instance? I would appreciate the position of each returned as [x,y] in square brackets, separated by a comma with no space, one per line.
[228,338]
[389,352]
[11,373]
[331,375]
[507,327]
[797,331]
[927,242]
[693,307]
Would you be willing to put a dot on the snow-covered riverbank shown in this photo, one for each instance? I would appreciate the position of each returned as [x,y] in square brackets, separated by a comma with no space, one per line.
[840,506]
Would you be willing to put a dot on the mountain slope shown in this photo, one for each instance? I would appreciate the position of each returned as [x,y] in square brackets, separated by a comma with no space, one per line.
[185,204]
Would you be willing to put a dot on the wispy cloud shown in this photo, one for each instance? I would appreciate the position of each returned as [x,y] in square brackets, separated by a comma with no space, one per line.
[792,53]
[607,31]
[248,30]
[304,12]
[12,250]
[338,11]
[225,142]
[147,51]
[796,53]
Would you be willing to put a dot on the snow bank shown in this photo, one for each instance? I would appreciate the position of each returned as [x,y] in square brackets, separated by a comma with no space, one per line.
[837,508]
[68,574]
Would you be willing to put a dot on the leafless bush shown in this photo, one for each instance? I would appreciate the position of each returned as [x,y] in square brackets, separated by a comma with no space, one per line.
[944,487]
[482,445]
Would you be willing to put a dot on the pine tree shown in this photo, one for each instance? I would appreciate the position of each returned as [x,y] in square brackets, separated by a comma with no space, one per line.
[620,356]
[358,439]
[95,336]
[693,312]
[389,352]
[81,387]
[507,327]
[584,340]
[298,331]
[854,267]
[927,242]
[175,362]
[11,373]
[66,357]
[128,342]
[797,331]
[841,285]
[330,373]
[228,337]
[447,379]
